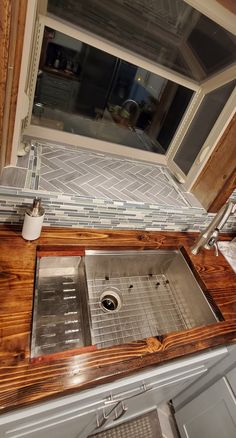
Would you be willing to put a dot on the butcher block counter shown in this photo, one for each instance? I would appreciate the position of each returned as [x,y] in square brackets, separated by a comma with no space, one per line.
[24,382]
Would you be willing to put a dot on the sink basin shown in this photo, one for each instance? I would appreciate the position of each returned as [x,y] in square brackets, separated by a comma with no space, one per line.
[107,298]
[157,291]
[60,313]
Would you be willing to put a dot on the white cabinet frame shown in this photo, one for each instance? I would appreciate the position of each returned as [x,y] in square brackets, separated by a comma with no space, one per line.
[141,392]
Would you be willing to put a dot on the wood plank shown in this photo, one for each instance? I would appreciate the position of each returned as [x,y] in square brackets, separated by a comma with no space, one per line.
[16,36]
[5,22]
[23,382]
[228,4]
[218,178]
[20,24]
[225,192]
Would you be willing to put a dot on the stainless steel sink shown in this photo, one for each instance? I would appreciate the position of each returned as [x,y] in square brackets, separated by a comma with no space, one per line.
[107,298]
[157,292]
[60,314]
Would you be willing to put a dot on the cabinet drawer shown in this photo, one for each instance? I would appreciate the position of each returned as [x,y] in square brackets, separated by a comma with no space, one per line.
[141,399]
[75,427]
[55,102]
[151,397]
[54,82]
[150,382]
[60,421]
[55,93]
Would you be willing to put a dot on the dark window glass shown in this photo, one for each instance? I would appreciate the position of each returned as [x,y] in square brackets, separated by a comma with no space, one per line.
[163,31]
[213,46]
[85,91]
[206,116]
[174,116]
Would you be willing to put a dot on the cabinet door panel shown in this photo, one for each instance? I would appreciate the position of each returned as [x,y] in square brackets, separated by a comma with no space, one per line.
[155,394]
[211,414]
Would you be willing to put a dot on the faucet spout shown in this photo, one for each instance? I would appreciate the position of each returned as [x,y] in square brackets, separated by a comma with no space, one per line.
[209,237]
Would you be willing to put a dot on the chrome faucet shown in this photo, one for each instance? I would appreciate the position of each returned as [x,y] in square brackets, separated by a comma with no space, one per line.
[133,108]
[208,239]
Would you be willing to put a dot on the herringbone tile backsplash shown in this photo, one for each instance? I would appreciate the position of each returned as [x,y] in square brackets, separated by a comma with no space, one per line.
[85,189]
[74,171]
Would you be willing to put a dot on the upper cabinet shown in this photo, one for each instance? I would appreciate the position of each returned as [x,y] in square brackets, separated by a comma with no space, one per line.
[151,80]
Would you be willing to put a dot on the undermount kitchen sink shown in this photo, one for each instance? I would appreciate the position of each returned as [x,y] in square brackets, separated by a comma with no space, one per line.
[107,298]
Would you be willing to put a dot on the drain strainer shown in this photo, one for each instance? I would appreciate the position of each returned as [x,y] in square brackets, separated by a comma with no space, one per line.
[110,300]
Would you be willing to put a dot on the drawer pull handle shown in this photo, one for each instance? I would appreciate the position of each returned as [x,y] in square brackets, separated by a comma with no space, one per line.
[103,420]
[112,400]
[123,411]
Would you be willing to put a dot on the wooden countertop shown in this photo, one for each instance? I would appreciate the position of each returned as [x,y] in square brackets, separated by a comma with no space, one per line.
[23,382]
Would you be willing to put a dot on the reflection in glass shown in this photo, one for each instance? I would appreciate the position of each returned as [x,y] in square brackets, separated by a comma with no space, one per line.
[86,91]
[171,33]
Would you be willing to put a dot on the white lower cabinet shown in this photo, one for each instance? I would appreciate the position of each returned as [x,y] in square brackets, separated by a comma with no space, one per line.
[207,408]
[71,427]
[212,414]
[102,407]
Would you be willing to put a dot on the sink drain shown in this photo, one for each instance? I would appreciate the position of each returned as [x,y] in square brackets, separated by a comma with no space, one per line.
[110,300]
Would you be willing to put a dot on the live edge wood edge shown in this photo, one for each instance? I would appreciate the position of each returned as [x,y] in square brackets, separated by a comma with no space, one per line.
[24,382]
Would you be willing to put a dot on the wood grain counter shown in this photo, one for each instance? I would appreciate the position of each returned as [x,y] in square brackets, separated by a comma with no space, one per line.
[23,382]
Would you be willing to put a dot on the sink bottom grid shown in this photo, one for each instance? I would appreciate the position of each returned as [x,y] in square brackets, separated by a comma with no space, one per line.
[149,308]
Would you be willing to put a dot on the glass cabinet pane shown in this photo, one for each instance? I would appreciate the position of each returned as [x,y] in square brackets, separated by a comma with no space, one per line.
[163,31]
[83,90]
[206,116]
